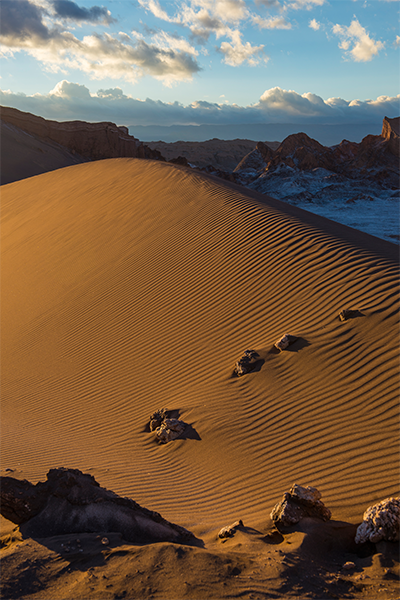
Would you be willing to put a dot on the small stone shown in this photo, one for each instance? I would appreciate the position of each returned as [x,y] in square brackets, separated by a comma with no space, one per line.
[105,541]
[230,530]
[347,313]
[285,341]
[349,565]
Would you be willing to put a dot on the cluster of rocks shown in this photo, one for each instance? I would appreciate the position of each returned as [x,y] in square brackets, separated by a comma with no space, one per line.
[380,521]
[250,358]
[71,502]
[166,427]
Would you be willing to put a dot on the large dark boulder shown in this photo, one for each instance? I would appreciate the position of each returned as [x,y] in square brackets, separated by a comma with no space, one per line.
[73,502]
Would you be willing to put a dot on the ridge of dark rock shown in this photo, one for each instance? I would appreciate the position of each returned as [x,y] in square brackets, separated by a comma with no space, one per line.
[73,502]
[90,140]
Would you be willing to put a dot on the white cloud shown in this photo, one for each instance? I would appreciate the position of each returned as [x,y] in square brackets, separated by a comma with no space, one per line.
[277,22]
[356,42]
[237,53]
[154,7]
[314,24]
[397,42]
[304,4]
[71,101]
[66,89]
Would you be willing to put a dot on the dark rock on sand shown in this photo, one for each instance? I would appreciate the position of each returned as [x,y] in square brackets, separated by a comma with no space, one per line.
[348,313]
[298,503]
[246,363]
[165,426]
[73,502]
[285,341]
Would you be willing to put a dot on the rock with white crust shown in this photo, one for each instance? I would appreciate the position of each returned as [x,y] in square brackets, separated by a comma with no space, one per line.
[380,522]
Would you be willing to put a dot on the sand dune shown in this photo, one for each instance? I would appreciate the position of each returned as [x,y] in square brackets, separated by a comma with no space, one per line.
[132,285]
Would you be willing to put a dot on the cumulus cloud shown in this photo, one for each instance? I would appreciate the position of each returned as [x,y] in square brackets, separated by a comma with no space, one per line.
[100,55]
[356,42]
[397,42]
[277,22]
[66,9]
[237,53]
[314,24]
[71,101]
[304,4]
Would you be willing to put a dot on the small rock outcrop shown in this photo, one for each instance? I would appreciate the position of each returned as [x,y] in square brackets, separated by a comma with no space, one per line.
[166,427]
[230,530]
[298,503]
[285,341]
[246,363]
[380,522]
[73,502]
[391,132]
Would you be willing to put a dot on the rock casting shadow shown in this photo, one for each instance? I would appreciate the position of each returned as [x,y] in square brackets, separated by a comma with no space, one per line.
[73,503]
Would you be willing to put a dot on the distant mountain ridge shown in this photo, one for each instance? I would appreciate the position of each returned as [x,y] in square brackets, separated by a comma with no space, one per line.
[325,134]
[222,154]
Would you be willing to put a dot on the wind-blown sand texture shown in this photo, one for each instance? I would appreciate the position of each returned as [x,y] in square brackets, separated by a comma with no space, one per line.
[131,285]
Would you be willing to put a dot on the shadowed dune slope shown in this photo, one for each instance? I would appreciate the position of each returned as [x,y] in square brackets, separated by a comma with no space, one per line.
[131,285]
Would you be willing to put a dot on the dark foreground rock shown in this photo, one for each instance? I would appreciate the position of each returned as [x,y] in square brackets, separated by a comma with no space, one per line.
[73,502]
[298,503]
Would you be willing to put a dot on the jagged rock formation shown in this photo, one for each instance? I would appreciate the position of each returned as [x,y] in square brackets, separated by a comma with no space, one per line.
[73,502]
[298,503]
[380,522]
[390,131]
[375,158]
[90,140]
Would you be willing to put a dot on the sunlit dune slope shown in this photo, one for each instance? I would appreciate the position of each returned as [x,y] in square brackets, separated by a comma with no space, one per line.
[131,285]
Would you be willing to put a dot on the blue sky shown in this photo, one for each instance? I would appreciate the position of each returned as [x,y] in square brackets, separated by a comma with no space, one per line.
[202,61]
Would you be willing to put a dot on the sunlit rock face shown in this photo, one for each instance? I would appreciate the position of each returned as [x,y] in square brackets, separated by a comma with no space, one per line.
[92,140]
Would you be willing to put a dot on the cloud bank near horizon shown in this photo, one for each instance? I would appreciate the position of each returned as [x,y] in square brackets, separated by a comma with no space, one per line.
[71,101]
